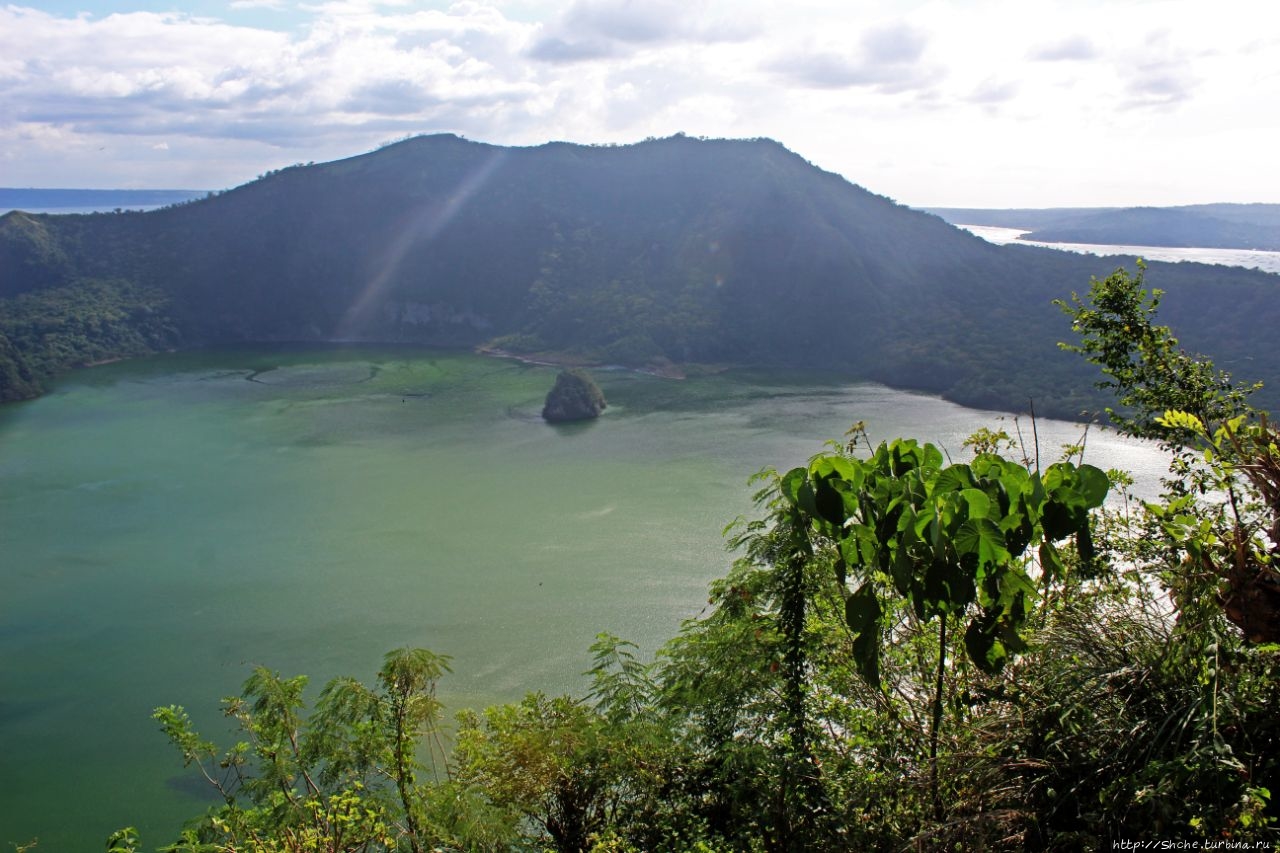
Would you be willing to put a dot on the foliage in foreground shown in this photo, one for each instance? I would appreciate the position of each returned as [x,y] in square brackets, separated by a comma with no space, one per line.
[906,655]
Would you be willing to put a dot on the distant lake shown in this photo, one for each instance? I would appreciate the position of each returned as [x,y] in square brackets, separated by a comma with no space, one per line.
[89,201]
[134,208]
[168,522]
[1250,258]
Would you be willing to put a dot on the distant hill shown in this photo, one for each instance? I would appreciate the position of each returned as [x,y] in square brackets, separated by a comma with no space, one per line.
[665,252]
[1015,217]
[1209,226]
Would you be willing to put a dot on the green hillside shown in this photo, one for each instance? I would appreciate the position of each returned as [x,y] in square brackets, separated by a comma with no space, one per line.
[673,250]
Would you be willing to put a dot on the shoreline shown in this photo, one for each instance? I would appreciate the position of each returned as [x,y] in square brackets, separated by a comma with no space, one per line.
[552,358]
[560,359]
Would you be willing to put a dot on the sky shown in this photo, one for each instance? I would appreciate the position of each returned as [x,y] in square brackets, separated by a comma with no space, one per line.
[966,103]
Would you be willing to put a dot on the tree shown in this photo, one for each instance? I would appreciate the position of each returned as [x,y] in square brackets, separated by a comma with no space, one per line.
[341,779]
[1222,445]
[549,760]
[1169,721]
[954,543]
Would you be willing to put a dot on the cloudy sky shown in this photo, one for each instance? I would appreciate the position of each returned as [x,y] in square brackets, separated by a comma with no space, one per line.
[990,103]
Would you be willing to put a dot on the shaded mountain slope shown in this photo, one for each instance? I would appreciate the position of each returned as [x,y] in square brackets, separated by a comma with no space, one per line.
[669,250]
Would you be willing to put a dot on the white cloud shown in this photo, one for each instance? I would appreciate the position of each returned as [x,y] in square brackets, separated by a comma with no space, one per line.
[1069,49]
[893,45]
[143,73]
[994,91]
[597,29]
[1161,73]
[929,101]
[888,58]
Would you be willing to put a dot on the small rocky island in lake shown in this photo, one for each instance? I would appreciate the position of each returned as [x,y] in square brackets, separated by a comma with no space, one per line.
[575,397]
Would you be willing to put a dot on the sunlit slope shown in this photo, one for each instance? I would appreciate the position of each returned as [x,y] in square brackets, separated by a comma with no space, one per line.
[678,249]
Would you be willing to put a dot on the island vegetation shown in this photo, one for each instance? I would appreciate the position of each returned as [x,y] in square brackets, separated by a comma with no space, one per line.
[909,653]
[574,397]
[664,253]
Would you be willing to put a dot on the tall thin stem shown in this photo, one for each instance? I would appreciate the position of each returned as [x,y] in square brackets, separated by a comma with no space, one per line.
[937,719]
[404,771]
[1035,433]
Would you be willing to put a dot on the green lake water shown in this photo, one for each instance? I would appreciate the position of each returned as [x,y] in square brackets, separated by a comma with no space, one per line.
[167,523]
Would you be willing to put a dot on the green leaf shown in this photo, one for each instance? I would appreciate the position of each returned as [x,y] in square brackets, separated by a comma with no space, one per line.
[954,478]
[978,501]
[983,643]
[1062,518]
[931,457]
[792,482]
[837,467]
[983,648]
[1018,527]
[982,538]
[1173,419]
[828,502]
[1014,586]
[1094,485]
[948,588]
[862,612]
[862,609]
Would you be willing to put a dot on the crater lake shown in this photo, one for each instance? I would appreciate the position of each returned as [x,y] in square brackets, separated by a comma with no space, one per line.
[169,522]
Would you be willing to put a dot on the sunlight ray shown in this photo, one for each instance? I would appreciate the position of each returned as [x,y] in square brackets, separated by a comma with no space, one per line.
[422,225]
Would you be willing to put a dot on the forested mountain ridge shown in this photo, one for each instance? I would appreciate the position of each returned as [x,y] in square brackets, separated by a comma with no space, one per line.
[676,249]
